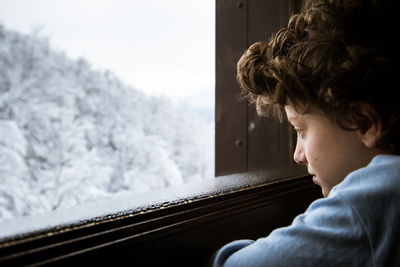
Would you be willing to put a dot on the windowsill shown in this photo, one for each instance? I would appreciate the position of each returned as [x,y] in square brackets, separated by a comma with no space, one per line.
[158,227]
[131,204]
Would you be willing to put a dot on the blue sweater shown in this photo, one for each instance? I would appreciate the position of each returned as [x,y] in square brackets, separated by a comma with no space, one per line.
[358,224]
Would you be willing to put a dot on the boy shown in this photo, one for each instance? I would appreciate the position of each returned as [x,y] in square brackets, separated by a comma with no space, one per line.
[333,73]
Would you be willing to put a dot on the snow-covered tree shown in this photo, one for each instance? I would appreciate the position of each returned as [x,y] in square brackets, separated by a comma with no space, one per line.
[70,134]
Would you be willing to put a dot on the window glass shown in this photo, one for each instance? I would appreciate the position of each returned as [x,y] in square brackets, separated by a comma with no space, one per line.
[101,98]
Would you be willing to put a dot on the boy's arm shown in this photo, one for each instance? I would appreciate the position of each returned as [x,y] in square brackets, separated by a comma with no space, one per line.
[329,233]
[219,258]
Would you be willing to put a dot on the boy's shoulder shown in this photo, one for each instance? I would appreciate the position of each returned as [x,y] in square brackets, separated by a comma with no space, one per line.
[381,174]
[372,192]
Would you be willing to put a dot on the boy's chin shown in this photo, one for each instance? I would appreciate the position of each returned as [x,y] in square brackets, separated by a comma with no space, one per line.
[325,190]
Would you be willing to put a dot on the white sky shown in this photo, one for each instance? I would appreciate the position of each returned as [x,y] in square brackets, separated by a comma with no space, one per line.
[157,46]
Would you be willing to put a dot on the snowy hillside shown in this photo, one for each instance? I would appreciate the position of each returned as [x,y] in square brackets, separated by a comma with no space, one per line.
[70,134]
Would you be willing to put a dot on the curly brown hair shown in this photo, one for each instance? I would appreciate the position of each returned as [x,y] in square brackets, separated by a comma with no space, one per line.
[331,56]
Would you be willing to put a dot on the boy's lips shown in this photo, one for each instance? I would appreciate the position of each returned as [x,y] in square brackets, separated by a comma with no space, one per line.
[314,177]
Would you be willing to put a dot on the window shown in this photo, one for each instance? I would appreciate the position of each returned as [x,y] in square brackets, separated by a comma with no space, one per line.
[103,99]
[258,188]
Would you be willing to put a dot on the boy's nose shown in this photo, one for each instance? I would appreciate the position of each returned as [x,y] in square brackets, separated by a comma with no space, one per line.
[299,155]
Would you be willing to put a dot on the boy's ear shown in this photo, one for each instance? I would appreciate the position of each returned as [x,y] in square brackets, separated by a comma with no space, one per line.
[370,136]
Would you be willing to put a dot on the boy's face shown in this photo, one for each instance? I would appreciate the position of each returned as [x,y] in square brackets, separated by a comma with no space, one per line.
[328,151]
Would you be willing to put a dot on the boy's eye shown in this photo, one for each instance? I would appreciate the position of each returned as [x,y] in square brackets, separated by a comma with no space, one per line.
[299,131]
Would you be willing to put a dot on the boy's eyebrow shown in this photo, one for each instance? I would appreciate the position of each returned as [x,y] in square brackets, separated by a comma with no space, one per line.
[292,119]
[296,120]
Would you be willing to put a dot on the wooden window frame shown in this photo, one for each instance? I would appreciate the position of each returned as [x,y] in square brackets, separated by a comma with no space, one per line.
[258,188]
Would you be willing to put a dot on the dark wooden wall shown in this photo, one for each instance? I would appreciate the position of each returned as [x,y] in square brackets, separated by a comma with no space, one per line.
[245,141]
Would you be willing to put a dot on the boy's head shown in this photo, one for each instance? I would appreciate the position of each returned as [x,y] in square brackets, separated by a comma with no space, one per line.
[335,59]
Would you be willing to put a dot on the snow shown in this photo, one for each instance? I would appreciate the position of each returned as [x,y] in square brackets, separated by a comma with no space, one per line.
[131,203]
[71,136]
[122,203]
